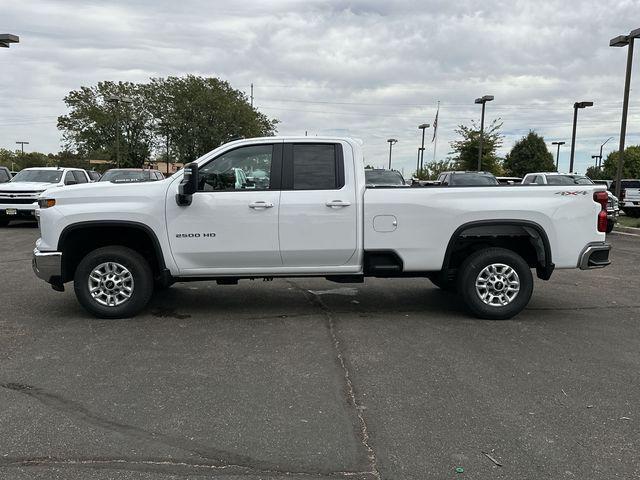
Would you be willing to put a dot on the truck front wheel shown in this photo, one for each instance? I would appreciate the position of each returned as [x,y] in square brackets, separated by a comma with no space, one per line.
[113,282]
[495,283]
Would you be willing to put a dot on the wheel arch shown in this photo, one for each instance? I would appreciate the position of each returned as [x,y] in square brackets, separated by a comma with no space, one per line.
[495,233]
[77,239]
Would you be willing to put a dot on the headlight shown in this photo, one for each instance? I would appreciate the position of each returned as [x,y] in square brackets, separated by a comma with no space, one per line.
[46,202]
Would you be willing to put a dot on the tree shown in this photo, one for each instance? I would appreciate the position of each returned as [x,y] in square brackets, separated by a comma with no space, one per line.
[529,154]
[631,167]
[595,173]
[192,114]
[433,169]
[93,122]
[466,149]
[198,114]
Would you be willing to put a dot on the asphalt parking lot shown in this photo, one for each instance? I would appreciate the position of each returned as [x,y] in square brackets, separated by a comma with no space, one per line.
[310,379]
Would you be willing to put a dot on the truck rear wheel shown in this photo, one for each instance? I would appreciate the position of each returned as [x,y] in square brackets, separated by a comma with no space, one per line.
[495,283]
[113,282]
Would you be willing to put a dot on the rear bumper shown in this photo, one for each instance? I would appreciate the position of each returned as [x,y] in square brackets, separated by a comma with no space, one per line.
[594,255]
[48,266]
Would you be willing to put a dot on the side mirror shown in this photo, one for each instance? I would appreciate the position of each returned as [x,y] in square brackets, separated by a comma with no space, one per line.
[188,186]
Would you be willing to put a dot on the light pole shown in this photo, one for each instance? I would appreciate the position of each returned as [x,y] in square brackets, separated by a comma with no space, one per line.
[391,142]
[117,100]
[483,100]
[600,156]
[558,153]
[596,157]
[418,162]
[6,39]
[621,41]
[165,128]
[576,106]
[422,127]
[22,144]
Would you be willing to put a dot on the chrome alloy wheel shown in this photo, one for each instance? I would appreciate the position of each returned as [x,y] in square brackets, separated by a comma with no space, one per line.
[110,284]
[497,284]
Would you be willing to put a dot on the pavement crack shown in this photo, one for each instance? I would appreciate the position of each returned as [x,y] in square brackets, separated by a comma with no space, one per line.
[316,301]
[172,466]
[80,412]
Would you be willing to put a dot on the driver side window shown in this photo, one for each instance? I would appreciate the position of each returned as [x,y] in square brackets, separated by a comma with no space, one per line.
[69,178]
[245,168]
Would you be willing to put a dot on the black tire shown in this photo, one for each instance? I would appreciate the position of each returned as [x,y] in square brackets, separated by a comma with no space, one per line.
[610,225]
[632,212]
[4,222]
[443,283]
[140,272]
[475,264]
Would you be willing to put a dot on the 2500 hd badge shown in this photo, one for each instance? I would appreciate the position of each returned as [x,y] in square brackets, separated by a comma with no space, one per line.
[194,235]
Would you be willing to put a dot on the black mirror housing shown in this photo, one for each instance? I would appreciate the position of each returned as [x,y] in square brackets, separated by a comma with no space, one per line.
[189,185]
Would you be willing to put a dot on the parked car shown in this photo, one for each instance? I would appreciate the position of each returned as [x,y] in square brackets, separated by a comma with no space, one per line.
[555,178]
[379,177]
[93,175]
[131,175]
[509,180]
[314,218]
[5,175]
[630,196]
[467,179]
[19,197]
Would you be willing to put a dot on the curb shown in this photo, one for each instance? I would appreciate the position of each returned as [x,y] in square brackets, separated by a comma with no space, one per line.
[630,230]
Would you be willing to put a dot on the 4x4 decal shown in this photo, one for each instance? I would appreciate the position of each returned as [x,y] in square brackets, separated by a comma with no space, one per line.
[574,193]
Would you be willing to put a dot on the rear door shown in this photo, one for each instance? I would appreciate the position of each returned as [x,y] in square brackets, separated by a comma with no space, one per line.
[318,208]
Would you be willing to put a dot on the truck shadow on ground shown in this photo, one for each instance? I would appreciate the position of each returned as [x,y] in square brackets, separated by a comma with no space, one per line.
[252,300]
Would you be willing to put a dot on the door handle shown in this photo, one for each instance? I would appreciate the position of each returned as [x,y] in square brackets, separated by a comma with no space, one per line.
[337,203]
[260,204]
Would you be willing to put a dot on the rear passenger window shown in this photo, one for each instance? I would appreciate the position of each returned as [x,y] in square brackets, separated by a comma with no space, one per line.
[314,167]
[79,176]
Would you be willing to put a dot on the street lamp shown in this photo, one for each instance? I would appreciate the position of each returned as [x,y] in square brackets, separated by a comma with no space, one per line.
[576,106]
[422,127]
[557,154]
[483,100]
[391,142]
[22,144]
[164,126]
[621,41]
[6,39]
[600,156]
[117,100]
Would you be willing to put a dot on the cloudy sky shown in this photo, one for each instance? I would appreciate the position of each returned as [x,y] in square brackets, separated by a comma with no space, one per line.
[367,69]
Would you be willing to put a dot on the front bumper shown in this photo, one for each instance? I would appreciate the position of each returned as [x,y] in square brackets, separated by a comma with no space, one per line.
[594,255]
[9,210]
[48,266]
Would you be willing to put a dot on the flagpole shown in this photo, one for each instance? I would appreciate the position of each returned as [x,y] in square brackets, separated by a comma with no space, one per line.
[435,144]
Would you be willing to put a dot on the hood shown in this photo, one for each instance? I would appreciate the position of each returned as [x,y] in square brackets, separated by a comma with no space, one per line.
[26,186]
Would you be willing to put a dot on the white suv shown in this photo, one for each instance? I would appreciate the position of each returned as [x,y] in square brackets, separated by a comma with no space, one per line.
[19,197]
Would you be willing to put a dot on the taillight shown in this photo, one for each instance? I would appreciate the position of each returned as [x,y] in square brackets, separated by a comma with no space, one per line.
[602,198]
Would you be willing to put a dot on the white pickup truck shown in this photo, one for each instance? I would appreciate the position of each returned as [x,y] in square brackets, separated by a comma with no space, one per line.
[19,196]
[307,213]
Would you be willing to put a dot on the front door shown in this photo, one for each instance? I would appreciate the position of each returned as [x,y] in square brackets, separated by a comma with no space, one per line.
[232,222]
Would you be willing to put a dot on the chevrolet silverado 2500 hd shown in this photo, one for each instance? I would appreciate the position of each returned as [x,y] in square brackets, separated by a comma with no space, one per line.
[303,209]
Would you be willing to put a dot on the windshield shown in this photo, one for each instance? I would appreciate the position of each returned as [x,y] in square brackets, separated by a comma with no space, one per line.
[42,176]
[126,176]
[472,179]
[383,177]
[568,180]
